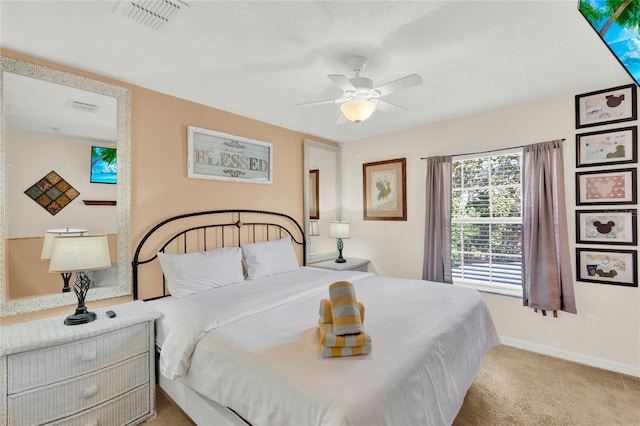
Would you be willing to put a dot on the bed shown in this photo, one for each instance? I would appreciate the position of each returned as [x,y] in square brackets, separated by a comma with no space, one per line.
[246,350]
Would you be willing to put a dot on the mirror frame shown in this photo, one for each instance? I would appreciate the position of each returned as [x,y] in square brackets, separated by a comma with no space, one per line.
[123,196]
[308,145]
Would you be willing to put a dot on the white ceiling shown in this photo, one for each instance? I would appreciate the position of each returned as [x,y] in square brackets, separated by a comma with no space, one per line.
[261,58]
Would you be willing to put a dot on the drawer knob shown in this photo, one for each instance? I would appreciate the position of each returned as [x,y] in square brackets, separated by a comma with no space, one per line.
[90,391]
[88,356]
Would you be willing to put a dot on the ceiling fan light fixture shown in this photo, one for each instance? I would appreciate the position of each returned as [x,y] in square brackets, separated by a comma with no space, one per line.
[358,110]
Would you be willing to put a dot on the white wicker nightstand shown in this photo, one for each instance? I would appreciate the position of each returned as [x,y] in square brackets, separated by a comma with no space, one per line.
[352,264]
[100,373]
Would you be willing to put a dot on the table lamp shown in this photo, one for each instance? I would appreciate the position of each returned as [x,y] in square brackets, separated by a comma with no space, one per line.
[79,254]
[339,230]
[47,246]
[313,228]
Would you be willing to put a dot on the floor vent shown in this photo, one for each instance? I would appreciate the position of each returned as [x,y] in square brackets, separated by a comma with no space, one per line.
[154,14]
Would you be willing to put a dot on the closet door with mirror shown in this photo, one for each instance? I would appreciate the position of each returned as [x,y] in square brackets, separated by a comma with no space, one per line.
[323,185]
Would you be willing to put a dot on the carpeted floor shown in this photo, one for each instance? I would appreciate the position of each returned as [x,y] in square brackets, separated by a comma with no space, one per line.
[516,387]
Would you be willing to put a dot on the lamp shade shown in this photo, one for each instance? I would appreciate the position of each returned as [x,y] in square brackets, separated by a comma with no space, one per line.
[358,110]
[313,228]
[80,253]
[50,236]
[339,230]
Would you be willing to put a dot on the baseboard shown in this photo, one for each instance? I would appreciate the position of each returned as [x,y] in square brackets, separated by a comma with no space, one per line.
[629,370]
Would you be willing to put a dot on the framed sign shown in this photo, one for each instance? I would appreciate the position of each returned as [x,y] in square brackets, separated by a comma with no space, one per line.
[606,106]
[606,226]
[385,190]
[215,155]
[616,146]
[604,266]
[606,187]
[314,194]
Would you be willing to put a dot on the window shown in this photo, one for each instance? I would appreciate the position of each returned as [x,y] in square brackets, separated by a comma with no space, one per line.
[486,219]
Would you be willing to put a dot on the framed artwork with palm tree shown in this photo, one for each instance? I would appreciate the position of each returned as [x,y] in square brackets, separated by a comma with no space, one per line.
[617,23]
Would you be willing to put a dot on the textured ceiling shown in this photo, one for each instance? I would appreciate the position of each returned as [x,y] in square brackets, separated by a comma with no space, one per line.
[259,59]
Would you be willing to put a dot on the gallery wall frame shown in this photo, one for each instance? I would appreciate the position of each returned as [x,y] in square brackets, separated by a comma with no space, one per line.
[605,266]
[607,106]
[607,147]
[384,189]
[220,156]
[616,226]
[314,194]
[616,186]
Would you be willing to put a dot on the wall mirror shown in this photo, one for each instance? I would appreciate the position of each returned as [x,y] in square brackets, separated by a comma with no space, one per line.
[322,200]
[52,120]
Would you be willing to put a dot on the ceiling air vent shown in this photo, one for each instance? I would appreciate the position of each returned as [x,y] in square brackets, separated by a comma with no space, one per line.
[82,106]
[154,14]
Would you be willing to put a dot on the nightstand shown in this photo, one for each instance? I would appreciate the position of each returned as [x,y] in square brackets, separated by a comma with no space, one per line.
[352,264]
[99,373]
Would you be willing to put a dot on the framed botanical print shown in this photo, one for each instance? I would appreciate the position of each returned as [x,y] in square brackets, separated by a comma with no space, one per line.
[607,106]
[606,187]
[385,190]
[606,226]
[618,267]
[616,146]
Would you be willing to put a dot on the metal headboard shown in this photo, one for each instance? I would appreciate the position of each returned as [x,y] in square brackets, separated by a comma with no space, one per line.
[259,222]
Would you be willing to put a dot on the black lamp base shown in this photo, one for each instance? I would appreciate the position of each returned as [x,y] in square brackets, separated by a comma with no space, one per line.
[81,315]
[83,318]
[340,259]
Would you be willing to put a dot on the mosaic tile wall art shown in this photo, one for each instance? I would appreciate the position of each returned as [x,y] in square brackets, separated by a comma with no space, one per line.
[52,192]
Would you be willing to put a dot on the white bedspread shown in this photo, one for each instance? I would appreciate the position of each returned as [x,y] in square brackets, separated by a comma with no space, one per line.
[263,359]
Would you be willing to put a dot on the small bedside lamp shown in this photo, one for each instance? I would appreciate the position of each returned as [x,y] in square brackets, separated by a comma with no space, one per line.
[313,228]
[47,247]
[80,254]
[339,230]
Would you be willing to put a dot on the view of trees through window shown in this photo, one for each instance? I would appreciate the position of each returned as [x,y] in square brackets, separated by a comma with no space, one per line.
[486,214]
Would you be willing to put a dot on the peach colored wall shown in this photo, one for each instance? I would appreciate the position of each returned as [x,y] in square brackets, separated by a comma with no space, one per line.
[159,184]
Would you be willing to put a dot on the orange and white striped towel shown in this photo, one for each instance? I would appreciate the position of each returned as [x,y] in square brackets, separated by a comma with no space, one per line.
[344,309]
[327,352]
[325,312]
[328,339]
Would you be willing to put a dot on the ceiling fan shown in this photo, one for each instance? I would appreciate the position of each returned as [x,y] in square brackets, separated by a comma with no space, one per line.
[360,99]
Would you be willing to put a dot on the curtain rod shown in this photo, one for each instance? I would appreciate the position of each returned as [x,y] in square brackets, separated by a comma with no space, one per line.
[488,152]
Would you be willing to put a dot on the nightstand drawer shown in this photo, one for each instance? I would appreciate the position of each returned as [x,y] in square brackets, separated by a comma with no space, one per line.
[28,370]
[117,412]
[66,398]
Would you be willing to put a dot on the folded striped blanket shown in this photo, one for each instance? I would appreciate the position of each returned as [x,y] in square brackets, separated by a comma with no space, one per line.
[327,338]
[346,351]
[325,312]
[344,308]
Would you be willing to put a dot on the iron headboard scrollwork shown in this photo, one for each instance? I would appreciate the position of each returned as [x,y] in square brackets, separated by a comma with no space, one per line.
[259,225]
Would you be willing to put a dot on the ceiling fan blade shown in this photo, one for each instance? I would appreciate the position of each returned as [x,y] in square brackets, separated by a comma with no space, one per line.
[342,119]
[401,83]
[342,82]
[328,101]
[388,106]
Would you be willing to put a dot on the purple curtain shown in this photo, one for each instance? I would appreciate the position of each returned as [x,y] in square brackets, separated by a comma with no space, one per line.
[437,228]
[548,280]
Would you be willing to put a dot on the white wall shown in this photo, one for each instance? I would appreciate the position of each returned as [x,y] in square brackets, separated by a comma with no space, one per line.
[396,248]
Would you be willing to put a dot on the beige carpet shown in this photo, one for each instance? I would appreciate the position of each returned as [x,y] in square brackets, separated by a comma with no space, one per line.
[516,387]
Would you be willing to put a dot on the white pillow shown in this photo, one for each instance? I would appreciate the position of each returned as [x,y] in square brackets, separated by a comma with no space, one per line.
[269,258]
[192,273]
